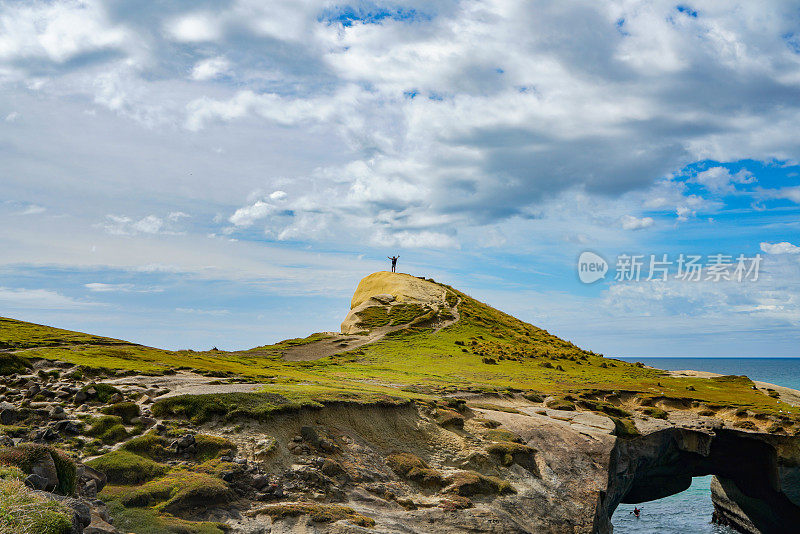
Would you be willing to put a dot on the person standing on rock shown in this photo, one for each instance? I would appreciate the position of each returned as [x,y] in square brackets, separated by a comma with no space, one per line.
[394,262]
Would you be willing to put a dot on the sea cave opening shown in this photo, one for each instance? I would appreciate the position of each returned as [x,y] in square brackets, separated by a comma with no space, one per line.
[690,510]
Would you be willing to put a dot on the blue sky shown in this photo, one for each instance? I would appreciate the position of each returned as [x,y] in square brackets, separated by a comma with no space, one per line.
[198,174]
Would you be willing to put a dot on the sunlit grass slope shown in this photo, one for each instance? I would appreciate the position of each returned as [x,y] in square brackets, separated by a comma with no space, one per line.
[485,351]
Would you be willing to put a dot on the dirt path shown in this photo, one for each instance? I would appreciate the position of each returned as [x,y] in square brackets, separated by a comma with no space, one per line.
[340,343]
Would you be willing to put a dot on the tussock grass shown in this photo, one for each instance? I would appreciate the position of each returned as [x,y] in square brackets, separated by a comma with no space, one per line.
[26,456]
[24,512]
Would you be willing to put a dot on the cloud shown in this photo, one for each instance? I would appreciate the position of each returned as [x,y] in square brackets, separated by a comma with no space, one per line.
[248,215]
[684,213]
[211,68]
[20,298]
[195,27]
[719,180]
[148,225]
[788,193]
[780,248]
[272,107]
[177,215]
[13,116]
[629,222]
[215,313]
[99,287]
[33,209]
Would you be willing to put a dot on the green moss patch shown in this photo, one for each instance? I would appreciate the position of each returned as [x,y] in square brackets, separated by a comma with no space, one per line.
[509,453]
[103,392]
[560,404]
[319,513]
[175,493]
[108,429]
[125,410]
[210,447]
[122,467]
[499,434]
[495,407]
[149,445]
[469,483]
[654,412]
[624,428]
[11,363]
[147,521]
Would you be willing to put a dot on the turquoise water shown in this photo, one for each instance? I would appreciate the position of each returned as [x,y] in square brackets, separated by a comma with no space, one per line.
[690,511]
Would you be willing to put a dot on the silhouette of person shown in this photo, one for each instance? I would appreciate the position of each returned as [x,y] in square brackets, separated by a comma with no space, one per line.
[394,262]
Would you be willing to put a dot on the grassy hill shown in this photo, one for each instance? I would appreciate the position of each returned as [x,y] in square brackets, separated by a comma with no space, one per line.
[485,351]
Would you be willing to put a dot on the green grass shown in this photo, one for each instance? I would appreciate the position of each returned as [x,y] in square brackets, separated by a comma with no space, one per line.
[11,363]
[122,467]
[21,510]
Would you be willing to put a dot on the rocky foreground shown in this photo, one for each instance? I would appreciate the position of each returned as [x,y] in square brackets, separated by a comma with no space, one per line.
[467,463]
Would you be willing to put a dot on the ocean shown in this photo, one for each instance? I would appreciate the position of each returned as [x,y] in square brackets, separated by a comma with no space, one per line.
[690,512]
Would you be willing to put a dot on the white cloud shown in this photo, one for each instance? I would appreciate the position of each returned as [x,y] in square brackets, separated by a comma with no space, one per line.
[211,68]
[277,195]
[195,27]
[248,215]
[33,209]
[100,287]
[684,213]
[177,215]
[629,222]
[56,31]
[780,248]
[150,224]
[19,298]
[719,180]
[788,193]
[13,116]
[272,107]
[203,312]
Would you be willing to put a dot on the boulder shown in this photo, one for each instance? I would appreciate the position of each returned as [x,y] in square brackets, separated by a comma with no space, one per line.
[8,414]
[99,525]
[45,468]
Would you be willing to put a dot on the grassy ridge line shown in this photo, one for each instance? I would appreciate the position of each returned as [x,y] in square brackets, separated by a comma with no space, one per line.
[487,350]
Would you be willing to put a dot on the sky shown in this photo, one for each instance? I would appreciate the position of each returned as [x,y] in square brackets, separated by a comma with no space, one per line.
[191,174]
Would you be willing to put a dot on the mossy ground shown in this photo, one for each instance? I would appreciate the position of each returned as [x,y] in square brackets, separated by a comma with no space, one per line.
[122,467]
[320,513]
[415,362]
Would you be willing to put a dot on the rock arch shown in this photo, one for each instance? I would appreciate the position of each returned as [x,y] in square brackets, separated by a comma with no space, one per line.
[756,488]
